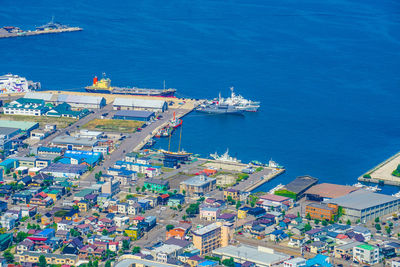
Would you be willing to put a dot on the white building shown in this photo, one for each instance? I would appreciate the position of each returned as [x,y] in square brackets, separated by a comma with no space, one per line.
[139,104]
[295,262]
[366,254]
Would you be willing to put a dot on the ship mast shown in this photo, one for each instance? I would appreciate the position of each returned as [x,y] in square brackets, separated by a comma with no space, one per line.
[180,138]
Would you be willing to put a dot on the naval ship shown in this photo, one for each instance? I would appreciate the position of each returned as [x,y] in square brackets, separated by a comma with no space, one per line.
[104,87]
[218,108]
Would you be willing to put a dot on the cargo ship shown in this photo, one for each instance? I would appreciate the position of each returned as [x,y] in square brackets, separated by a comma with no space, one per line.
[11,83]
[103,86]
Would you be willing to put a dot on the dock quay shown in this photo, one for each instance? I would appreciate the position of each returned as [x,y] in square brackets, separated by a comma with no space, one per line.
[382,173]
[5,34]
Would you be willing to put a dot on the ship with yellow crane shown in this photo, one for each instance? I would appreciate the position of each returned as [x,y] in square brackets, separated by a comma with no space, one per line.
[103,86]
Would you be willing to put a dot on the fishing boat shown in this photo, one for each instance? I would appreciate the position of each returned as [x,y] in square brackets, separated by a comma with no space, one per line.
[175,122]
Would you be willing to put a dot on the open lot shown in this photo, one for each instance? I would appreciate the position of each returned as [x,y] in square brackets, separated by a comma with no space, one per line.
[108,125]
[42,120]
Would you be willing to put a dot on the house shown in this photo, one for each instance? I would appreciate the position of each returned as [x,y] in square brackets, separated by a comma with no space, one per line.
[176,200]
[365,232]
[91,250]
[317,247]
[296,241]
[366,254]
[73,246]
[209,213]
[51,258]
[232,194]
[179,232]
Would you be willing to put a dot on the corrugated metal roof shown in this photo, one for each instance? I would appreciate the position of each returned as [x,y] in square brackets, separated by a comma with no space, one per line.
[133,102]
[80,99]
[23,125]
[35,95]
[134,113]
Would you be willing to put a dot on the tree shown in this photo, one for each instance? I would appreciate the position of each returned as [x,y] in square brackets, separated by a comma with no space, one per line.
[316,221]
[14,176]
[90,263]
[377,219]
[169,227]
[229,262]
[238,204]
[74,232]
[143,188]
[21,236]
[42,261]
[135,250]
[8,256]
[324,223]
[104,232]
[137,189]
[308,216]
[96,263]
[184,192]
[307,227]
[348,222]
[388,230]
[378,227]
[108,264]
[125,245]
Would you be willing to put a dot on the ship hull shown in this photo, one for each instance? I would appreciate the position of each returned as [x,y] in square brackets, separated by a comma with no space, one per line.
[216,111]
[140,93]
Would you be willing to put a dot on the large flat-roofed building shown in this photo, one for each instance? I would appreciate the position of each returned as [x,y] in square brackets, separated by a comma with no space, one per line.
[134,115]
[76,101]
[65,170]
[212,236]
[326,191]
[46,97]
[24,126]
[258,256]
[26,106]
[74,143]
[198,185]
[155,105]
[365,205]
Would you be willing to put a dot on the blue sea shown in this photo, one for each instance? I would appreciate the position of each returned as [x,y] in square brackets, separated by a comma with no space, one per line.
[326,72]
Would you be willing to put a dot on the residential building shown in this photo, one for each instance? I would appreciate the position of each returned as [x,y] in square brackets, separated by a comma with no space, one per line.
[366,254]
[231,193]
[25,106]
[295,262]
[212,236]
[110,187]
[157,185]
[209,213]
[198,185]
[345,251]
[51,258]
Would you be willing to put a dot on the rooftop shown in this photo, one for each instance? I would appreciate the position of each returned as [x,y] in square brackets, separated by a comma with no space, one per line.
[138,102]
[206,229]
[320,206]
[134,113]
[301,183]
[199,180]
[65,139]
[362,199]
[366,247]
[65,168]
[261,255]
[273,197]
[327,190]
[23,125]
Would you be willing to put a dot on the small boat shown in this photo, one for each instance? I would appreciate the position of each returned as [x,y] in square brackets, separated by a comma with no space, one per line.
[175,122]
[273,164]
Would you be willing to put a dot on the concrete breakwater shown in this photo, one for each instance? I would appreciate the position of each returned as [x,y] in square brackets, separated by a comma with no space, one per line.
[382,173]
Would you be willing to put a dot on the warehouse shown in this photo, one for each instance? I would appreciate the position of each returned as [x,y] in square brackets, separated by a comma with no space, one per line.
[46,97]
[365,206]
[65,170]
[74,143]
[326,191]
[24,126]
[300,185]
[134,115]
[140,104]
[82,101]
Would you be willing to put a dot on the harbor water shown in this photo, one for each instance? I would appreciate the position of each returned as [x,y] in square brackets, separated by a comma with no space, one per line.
[326,72]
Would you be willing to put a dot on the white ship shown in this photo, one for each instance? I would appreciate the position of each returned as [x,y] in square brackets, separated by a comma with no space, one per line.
[368,188]
[273,164]
[224,157]
[236,101]
[10,83]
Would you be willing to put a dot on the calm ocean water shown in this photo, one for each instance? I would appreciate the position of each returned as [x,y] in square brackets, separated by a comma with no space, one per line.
[326,72]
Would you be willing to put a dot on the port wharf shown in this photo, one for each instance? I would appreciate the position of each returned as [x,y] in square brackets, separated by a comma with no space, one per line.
[5,34]
[382,173]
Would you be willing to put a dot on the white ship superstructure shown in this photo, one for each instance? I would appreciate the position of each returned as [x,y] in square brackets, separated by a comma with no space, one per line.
[224,157]
[10,83]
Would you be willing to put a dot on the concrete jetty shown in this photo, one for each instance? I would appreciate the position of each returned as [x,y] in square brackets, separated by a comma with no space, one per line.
[382,173]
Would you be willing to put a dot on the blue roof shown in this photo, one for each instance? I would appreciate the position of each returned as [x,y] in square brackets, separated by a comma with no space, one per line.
[86,156]
[319,260]
[46,231]
[64,161]
[8,162]
[50,149]
[208,263]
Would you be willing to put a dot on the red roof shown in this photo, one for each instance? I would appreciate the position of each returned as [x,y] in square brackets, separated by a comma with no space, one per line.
[164,196]
[341,236]
[276,198]
[42,194]
[139,218]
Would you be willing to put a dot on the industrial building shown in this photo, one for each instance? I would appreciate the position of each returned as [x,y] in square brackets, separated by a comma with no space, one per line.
[135,115]
[74,143]
[365,206]
[26,107]
[258,256]
[301,184]
[76,101]
[65,170]
[326,191]
[24,126]
[139,104]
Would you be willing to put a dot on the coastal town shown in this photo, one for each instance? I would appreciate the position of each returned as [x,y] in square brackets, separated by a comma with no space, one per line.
[81,185]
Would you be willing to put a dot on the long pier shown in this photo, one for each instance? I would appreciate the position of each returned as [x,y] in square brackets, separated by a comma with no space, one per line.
[382,173]
[5,34]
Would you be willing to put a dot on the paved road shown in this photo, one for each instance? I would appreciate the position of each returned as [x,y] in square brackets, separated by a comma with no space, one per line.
[128,145]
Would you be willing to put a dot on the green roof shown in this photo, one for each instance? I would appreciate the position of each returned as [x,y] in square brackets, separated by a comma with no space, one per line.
[366,247]
[84,192]
[23,125]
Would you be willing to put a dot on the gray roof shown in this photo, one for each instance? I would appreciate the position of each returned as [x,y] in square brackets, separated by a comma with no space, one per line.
[144,103]
[7,131]
[66,139]
[362,199]
[156,181]
[35,95]
[143,262]
[348,245]
[260,256]
[301,184]
[65,168]
[80,99]
[206,229]
[198,180]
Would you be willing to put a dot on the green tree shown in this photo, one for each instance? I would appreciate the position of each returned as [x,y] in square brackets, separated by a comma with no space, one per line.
[14,176]
[388,230]
[74,232]
[377,219]
[324,223]
[229,262]
[42,261]
[107,264]
[96,263]
[104,232]
[348,222]
[316,221]
[238,204]
[184,192]
[8,256]
[90,263]
[169,227]
[308,216]
[143,188]
[307,227]
[135,250]
[378,227]
[125,244]
[21,236]
[137,189]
